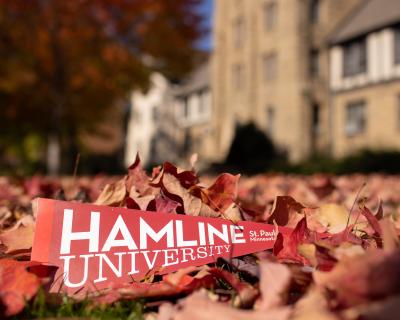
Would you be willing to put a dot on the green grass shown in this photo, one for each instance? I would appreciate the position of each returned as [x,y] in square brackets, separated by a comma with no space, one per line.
[55,306]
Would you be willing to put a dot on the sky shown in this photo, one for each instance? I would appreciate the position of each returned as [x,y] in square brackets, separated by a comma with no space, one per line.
[206,9]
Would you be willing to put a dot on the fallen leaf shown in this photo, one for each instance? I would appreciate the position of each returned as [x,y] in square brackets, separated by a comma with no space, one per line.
[360,279]
[199,307]
[286,211]
[386,309]
[246,294]
[314,305]
[113,194]
[274,285]
[17,285]
[286,246]
[389,236]
[138,179]
[222,194]
[333,216]
[19,237]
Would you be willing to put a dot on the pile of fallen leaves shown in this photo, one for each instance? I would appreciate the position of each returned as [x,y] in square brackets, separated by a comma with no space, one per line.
[353,273]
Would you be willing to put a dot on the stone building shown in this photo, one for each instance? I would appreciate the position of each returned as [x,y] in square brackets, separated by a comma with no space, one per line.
[271,67]
[151,124]
[193,111]
[317,76]
[170,122]
[365,79]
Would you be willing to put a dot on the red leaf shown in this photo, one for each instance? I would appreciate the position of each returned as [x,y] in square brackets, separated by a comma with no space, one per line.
[138,179]
[286,211]
[372,220]
[285,248]
[19,237]
[164,204]
[16,285]
[186,178]
[322,186]
[360,279]
[246,293]
[172,285]
[274,285]
[222,193]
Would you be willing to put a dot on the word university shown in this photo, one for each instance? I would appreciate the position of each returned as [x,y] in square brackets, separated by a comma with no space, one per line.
[94,247]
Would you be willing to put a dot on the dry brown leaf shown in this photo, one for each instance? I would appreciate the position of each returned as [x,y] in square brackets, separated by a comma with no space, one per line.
[113,194]
[199,307]
[274,285]
[314,305]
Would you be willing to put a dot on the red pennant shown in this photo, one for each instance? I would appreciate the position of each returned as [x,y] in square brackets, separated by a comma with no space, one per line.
[97,246]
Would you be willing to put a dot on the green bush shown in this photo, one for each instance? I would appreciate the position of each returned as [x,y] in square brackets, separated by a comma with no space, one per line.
[364,161]
[251,151]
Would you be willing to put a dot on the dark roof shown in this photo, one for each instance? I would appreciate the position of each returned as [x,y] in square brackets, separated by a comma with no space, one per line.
[369,16]
[199,79]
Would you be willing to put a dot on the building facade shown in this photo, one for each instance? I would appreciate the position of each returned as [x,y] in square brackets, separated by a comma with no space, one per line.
[317,76]
[193,107]
[365,79]
[170,122]
[142,124]
[271,67]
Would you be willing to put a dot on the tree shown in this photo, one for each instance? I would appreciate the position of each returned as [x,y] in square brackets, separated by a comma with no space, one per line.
[64,64]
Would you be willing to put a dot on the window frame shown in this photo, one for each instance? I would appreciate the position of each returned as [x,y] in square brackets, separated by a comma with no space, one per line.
[350,48]
[270,11]
[314,63]
[238,32]
[354,127]
[398,111]
[271,120]
[396,45]
[238,76]
[314,11]
[270,66]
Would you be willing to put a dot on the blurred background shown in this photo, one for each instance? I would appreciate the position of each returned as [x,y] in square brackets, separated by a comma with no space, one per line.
[249,85]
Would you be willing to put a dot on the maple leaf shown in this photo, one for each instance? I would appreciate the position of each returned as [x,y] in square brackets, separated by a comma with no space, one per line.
[274,285]
[190,204]
[17,285]
[138,179]
[113,194]
[199,306]
[286,246]
[222,193]
[314,305]
[171,285]
[360,279]
[19,237]
[286,211]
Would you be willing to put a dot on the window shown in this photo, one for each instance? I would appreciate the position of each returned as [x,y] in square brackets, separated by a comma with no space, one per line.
[238,32]
[270,121]
[203,102]
[185,103]
[155,113]
[238,76]
[314,63]
[397,45]
[314,11]
[269,16]
[398,111]
[355,118]
[354,57]
[315,118]
[270,71]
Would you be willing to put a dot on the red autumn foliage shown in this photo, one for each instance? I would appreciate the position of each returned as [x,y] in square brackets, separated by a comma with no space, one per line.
[337,263]
[16,285]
